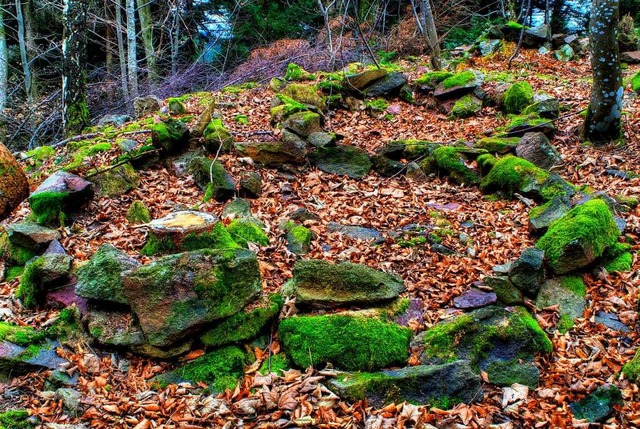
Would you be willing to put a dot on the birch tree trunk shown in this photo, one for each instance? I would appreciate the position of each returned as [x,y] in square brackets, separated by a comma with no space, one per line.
[603,123]
[75,113]
[121,52]
[24,58]
[4,73]
[174,36]
[132,58]
[146,30]
[427,27]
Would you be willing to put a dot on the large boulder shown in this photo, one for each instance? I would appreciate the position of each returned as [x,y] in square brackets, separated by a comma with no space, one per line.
[14,187]
[99,278]
[178,294]
[389,85]
[343,160]
[291,150]
[441,386]
[58,196]
[580,237]
[321,283]
[537,148]
[517,97]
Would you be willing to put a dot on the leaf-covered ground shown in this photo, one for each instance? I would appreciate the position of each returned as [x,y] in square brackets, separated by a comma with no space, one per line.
[587,356]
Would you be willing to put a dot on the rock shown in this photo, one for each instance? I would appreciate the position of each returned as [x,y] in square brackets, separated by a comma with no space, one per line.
[565,53]
[517,97]
[490,46]
[386,167]
[114,120]
[291,150]
[248,230]
[537,148]
[163,352]
[127,145]
[237,209]
[579,237]
[422,384]
[460,84]
[70,400]
[303,123]
[222,185]
[512,174]
[505,291]
[361,80]
[350,342]
[117,181]
[143,106]
[631,57]
[527,272]
[519,126]
[179,165]
[16,360]
[99,278]
[318,283]
[182,223]
[250,184]
[220,370]
[40,274]
[542,216]
[465,107]
[299,240]
[568,293]
[138,213]
[58,196]
[55,247]
[611,321]
[322,139]
[302,215]
[535,37]
[30,235]
[217,137]
[474,298]
[544,106]
[176,107]
[354,231]
[415,173]
[450,160]
[176,295]
[342,160]
[598,406]
[506,373]
[202,171]
[500,145]
[170,135]
[443,250]
[388,86]
[112,327]
[245,325]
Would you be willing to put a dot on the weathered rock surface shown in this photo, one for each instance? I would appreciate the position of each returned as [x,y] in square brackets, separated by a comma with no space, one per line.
[143,106]
[527,272]
[349,161]
[60,194]
[14,187]
[274,154]
[537,148]
[387,86]
[31,235]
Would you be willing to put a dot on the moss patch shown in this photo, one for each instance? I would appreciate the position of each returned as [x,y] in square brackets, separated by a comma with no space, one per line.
[501,145]
[295,72]
[20,335]
[138,213]
[157,246]
[465,107]
[276,364]
[244,231]
[48,207]
[449,161]
[305,94]
[217,137]
[30,289]
[631,369]
[635,82]
[518,97]
[432,79]
[15,419]
[459,79]
[512,174]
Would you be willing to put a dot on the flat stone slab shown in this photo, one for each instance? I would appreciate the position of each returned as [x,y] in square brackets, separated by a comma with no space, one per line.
[611,321]
[183,222]
[354,231]
[474,298]
[31,235]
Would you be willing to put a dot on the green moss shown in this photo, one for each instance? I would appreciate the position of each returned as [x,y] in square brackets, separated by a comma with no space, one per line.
[518,97]
[589,225]
[30,289]
[501,145]
[377,105]
[117,181]
[305,94]
[621,263]
[512,174]
[465,107]
[20,335]
[486,162]
[276,364]
[635,83]
[217,137]
[514,25]
[138,213]
[244,231]
[48,207]
[565,323]
[414,241]
[449,161]
[85,151]
[236,89]
[432,79]
[295,72]
[39,155]
[77,117]
[528,120]
[574,284]
[15,419]
[157,246]
[176,107]
[218,238]
[299,239]
[245,325]
[13,253]
[459,79]
[241,119]
[170,135]
[349,342]
[288,107]
[631,369]
[506,373]
[14,273]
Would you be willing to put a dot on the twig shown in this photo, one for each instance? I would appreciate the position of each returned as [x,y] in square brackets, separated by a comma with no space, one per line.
[77,138]
[124,161]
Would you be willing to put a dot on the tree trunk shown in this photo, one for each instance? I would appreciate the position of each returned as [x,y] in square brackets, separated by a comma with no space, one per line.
[24,58]
[132,58]
[427,26]
[121,52]
[75,113]
[174,36]
[14,187]
[146,30]
[603,123]
[4,74]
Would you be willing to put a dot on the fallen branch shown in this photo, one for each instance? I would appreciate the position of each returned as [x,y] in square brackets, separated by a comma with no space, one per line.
[124,161]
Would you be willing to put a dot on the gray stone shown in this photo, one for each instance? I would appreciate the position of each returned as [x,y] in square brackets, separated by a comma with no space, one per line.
[250,184]
[597,406]
[386,167]
[527,272]
[415,172]
[536,148]
[143,106]
[319,283]
[73,192]
[565,53]
[322,139]
[31,235]
[55,247]
[112,327]
[545,106]
[342,160]
[387,86]
[556,292]
[535,37]
[354,231]
[423,384]
[303,123]
[632,57]
[99,278]
[360,81]
[443,93]
[541,217]
[505,291]
[474,298]
[116,120]
[505,373]
[302,215]
[127,145]
[70,399]
[291,150]
[611,321]
[490,46]
[16,360]
[441,249]
[237,208]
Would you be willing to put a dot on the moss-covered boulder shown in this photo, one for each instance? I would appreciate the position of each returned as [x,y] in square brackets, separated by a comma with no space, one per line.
[30,235]
[220,370]
[176,106]
[518,97]
[41,274]
[518,126]
[484,337]
[599,405]
[544,105]
[247,230]
[635,83]
[99,278]
[13,254]
[568,293]
[618,258]
[441,386]
[58,196]
[505,291]
[283,106]
[579,237]
[388,86]
[465,107]
[291,150]
[321,283]
[138,213]
[349,341]
[245,325]
[170,135]
[16,419]
[459,84]
[295,72]
[303,123]
[430,80]
[499,145]
[176,295]
[299,240]
[512,174]
[450,161]
[305,94]
[116,181]
[342,160]
[322,139]
[217,137]
[14,187]
[222,186]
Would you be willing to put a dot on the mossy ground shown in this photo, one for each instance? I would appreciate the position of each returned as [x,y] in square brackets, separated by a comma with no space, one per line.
[295,72]
[276,364]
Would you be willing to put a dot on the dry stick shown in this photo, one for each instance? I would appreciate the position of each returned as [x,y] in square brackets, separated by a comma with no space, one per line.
[515,53]
[124,161]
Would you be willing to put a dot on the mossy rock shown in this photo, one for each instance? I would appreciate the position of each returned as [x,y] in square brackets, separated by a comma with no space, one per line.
[213,178]
[170,135]
[40,274]
[177,295]
[305,94]
[117,181]
[512,174]
[342,160]
[518,97]
[506,373]
[30,235]
[541,217]
[14,254]
[220,369]
[349,342]
[465,107]
[568,293]
[250,184]
[217,137]
[635,83]
[138,213]
[441,386]
[16,419]
[291,150]
[321,283]
[176,107]
[23,349]
[499,145]
[245,325]
[518,126]
[244,231]
[359,81]
[484,336]
[14,187]
[599,405]
[450,162]
[299,240]
[461,83]
[284,106]
[303,123]
[432,79]
[99,278]
[58,196]
[631,369]
[505,291]
[113,327]
[579,237]
[295,72]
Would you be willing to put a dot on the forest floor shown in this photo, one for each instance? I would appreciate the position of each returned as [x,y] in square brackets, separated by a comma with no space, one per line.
[587,356]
